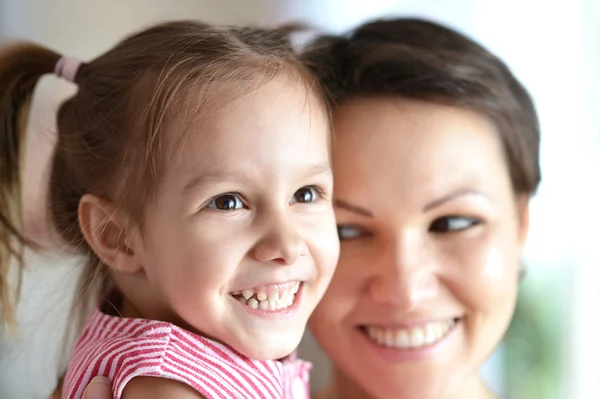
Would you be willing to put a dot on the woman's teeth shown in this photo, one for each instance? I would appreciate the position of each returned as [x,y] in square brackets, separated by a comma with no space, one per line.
[410,338]
[270,297]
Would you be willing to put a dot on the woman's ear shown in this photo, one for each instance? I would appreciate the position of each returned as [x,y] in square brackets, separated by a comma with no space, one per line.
[523,218]
[110,233]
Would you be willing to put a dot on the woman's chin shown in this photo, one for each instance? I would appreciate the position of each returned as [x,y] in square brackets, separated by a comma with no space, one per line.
[425,388]
[422,384]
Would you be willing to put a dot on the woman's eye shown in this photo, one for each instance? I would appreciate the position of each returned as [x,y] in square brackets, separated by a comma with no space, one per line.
[452,224]
[349,232]
[306,194]
[226,202]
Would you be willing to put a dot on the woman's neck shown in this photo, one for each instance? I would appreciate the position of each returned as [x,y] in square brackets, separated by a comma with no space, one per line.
[475,389]
[341,387]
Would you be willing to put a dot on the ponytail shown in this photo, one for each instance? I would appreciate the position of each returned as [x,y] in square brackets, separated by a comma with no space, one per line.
[21,66]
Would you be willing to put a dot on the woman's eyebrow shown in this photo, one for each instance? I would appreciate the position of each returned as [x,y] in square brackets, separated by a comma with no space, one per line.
[352,208]
[453,195]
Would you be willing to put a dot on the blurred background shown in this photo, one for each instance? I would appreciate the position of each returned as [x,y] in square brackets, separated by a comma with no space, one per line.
[552,349]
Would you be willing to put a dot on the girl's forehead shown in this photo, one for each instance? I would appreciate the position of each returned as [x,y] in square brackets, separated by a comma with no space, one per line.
[271,123]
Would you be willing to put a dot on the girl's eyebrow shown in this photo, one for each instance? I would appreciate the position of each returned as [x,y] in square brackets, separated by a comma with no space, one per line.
[317,169]
[206,178]
[216,176]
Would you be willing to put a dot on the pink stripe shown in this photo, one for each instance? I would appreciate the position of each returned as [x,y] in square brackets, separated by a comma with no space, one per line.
[120,353]
[241,361]
[200,366]
[130,361]
[206,384]
[224,355]
[112,328]
[122,349]
[249,365]
[81,353]
[260,368]
[97,324]
[243,378]
[132,357]
[218,363]
[141,368]
[86,357]
[99,350]
[221,386]
[204,387]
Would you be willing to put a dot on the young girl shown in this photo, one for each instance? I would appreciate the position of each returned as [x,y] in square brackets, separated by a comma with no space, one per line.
[193,167]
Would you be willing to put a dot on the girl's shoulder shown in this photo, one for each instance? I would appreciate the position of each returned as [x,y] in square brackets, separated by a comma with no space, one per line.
[122,349]
[155,388]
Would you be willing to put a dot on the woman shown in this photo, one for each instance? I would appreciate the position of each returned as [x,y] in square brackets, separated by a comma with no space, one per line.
[436,158]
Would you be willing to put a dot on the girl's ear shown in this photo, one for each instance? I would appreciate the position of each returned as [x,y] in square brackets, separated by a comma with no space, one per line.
[110,233]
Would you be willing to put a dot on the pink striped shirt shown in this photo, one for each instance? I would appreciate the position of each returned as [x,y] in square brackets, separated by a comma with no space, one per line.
[121,349]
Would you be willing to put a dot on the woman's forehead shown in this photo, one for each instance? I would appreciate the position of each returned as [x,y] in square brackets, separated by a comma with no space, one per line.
[415,147]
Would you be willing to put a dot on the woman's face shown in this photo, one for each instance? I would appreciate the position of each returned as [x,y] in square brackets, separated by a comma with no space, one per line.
[431,236]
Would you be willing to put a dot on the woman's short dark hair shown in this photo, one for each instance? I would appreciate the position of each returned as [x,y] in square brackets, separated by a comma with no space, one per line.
[422,60]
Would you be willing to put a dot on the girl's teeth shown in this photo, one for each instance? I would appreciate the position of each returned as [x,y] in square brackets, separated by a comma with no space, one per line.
[267,304]
[415,337]
[253,303]
[247,294]
[261,296]
[273,297]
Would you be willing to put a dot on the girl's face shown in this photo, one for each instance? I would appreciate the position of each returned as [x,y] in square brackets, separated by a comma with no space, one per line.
[431,238]
[240,243]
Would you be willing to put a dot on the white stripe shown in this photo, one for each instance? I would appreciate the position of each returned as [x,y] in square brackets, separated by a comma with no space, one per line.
[208,372]
[205,386]
[158,346]
[131,362]
[209,352]
[271,384]
[89,351]
[109,327]
[129,347]
[102,353]
[184,348]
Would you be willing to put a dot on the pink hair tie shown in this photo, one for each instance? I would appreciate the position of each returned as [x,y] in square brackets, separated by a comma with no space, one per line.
[67,68]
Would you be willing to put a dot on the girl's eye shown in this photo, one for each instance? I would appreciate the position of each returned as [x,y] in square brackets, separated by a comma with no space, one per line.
[226,202]
[449,224]
[349,232]
[306,194]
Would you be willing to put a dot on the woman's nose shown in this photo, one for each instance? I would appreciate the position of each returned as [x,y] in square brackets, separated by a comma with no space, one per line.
[406,275]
